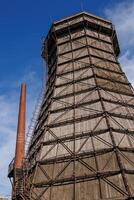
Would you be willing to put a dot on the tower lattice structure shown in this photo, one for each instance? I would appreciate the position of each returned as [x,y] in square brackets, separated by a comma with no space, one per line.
[83,144]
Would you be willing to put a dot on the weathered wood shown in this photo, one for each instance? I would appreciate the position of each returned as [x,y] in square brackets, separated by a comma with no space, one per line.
[83,144]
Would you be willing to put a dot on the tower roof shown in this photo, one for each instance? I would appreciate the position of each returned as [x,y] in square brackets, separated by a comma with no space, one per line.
[82,13]
[77,21]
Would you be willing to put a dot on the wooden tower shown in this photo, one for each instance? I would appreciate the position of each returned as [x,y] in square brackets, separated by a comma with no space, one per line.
[83,144]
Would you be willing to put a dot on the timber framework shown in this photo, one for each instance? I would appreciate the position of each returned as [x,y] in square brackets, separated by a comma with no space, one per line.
[82,146]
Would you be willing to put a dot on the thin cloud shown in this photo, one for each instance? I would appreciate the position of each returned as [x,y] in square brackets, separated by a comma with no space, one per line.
[7,139]
[122,16]
[127,60]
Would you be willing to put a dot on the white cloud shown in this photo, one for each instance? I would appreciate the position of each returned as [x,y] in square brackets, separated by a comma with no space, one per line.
[7,138]
[127,62]
[122,16]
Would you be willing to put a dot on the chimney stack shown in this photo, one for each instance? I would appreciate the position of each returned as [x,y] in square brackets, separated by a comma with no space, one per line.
[20,140]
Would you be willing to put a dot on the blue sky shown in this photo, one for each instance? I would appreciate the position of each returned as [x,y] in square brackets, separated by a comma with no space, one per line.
[22,26]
